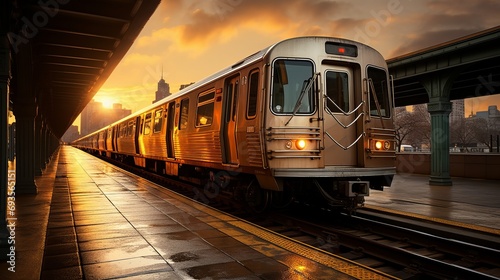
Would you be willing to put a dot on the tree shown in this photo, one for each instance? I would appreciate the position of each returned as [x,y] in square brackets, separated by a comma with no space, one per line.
[422,133]
[463,133]
[412,127]
[484,130]
[402,125]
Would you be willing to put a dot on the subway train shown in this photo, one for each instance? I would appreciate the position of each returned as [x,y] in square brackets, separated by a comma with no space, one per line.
[306,119]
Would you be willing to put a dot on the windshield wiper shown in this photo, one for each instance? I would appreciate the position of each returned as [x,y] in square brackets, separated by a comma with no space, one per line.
[306,86]
[377,104]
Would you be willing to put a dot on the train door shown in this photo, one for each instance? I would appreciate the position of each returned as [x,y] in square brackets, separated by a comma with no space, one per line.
[229,121]
[114,139]
[137,132]
[340,118]
[170,129]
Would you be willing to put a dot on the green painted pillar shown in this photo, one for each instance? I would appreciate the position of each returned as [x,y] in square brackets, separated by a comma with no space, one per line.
[438,86]
[440,142]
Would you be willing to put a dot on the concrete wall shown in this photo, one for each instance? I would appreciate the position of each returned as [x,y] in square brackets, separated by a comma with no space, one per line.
[480,165]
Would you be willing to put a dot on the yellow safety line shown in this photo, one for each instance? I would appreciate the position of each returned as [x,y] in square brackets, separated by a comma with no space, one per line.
[434,219]
[333,261]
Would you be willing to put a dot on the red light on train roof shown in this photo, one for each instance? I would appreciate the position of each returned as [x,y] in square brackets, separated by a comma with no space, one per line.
[337,48]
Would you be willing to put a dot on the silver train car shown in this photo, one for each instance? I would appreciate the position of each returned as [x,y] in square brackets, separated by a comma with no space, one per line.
[306,118]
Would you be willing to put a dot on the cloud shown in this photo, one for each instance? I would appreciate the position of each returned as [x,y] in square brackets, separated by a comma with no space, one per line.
[477,7]
[445,21]
[427,39]
[140,58]
[212,20]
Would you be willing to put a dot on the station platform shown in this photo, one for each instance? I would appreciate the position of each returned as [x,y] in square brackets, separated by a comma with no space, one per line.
[91,220]
[468,203]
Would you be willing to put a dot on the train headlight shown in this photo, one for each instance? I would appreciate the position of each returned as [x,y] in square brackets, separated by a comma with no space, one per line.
[300,144]
[288,145]
[378,145]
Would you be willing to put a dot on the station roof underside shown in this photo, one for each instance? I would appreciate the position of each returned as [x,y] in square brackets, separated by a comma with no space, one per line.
[74,47]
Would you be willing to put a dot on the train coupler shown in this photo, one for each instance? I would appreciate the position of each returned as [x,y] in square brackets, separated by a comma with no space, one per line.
[355,188]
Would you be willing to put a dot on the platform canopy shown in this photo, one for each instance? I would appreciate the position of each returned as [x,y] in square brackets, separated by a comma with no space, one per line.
[64,50]
[473,61]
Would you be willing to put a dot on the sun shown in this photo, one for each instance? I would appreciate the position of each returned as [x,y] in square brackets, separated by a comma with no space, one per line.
[107,103]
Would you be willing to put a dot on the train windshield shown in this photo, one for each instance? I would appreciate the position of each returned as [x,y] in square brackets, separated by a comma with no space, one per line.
[379,93]
[290,79]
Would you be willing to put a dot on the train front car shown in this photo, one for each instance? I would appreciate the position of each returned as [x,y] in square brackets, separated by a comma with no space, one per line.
[328,121]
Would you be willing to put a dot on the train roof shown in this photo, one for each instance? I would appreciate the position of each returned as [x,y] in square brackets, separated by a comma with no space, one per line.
[226,71]
[235,67]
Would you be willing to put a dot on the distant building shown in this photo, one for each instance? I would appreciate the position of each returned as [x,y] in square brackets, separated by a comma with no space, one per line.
[458,110]
[491,113]
[492,116]
[95,116]
[71,134]
[163,90]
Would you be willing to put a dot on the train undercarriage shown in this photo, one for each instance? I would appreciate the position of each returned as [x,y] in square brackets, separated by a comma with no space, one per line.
[346,193]
[336,193]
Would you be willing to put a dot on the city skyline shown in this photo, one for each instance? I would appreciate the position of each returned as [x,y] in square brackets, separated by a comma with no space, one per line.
[185,41]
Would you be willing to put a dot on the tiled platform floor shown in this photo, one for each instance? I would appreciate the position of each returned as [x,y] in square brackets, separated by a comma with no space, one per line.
[106,224]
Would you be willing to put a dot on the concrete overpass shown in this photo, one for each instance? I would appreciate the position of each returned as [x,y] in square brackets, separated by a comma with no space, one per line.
[462,68]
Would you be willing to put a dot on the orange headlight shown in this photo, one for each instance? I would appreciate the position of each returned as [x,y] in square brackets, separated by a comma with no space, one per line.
[300,144]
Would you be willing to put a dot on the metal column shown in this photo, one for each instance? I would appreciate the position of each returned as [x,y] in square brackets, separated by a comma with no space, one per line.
[440,142]
[438,86]
[25,110]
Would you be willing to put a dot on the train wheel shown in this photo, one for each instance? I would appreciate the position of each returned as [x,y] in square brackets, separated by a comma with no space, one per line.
[256,197]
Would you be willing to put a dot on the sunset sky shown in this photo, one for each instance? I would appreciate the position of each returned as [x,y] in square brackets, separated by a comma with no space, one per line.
[191,39]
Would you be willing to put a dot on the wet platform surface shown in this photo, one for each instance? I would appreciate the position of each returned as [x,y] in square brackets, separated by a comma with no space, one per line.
[470,203]
[93,221]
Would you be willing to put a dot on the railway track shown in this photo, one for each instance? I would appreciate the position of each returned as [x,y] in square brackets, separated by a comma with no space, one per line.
[397,250]
[400,247]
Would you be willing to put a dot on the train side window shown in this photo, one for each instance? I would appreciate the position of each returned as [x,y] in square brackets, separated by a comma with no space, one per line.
[253,91]
[141,125]
[184,114]
[205,111]
[158,121]
[337,90]
[378,92]
[130,128]
[147,124]
[119,131]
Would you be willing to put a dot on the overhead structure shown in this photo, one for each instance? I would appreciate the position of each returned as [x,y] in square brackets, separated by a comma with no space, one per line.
[463,68]
[70,48]
[55,55]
